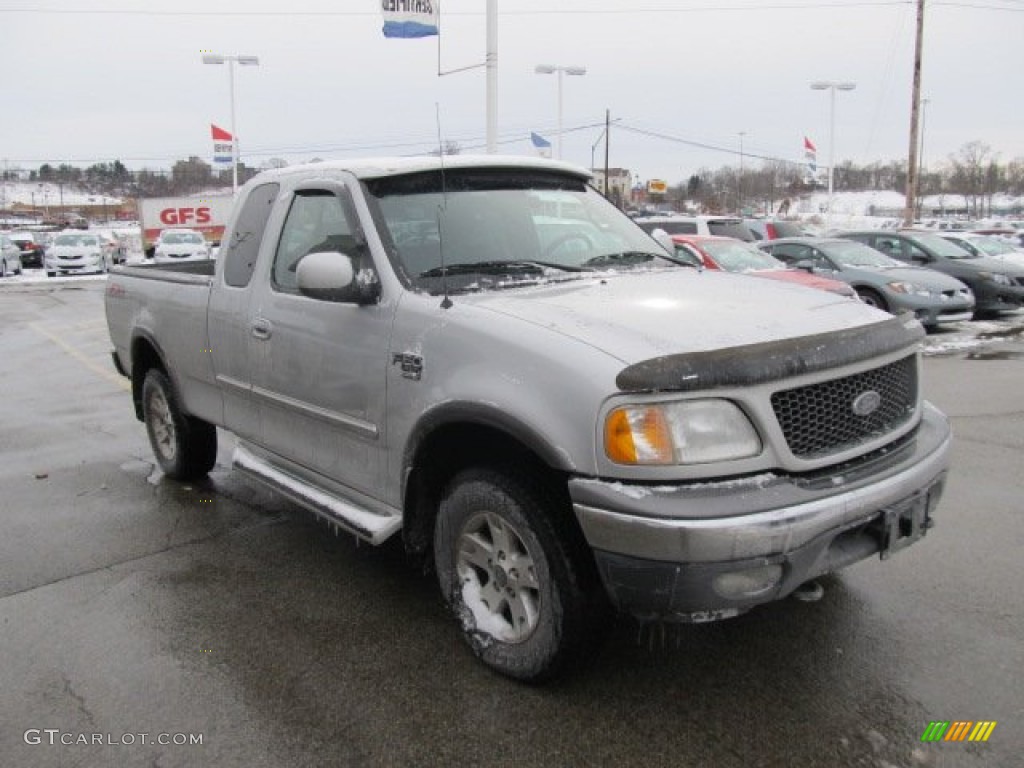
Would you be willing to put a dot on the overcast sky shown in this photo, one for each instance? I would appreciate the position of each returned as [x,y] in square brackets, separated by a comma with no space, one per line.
[87,81]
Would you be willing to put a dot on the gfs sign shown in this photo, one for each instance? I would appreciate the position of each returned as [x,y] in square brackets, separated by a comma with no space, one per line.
[173,217]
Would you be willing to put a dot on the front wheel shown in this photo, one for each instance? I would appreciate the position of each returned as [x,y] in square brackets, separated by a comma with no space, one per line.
[185,447]
[872,298]
[516,577]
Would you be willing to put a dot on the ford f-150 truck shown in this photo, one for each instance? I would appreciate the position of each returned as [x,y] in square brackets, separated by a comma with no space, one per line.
[484,355]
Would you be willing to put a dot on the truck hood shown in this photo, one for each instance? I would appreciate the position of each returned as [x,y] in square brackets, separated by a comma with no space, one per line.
[639,316]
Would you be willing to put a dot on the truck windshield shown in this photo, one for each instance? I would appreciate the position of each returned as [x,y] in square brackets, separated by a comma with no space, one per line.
[485,228]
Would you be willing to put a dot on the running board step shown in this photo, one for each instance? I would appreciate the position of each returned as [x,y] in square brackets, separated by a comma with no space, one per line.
[364,523]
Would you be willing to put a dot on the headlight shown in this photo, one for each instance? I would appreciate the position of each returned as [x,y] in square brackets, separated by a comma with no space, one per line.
[996,277]
[910,289]
[681,432]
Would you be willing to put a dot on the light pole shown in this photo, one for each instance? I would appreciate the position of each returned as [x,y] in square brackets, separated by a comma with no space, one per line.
[831,86]
[245,61]
[547,69]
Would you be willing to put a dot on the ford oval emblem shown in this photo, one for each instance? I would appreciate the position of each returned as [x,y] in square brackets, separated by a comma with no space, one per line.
[867,403]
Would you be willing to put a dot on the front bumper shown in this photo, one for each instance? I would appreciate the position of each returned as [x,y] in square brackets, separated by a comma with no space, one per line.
[74,266]
[994,297]
[931,312]
[664,551]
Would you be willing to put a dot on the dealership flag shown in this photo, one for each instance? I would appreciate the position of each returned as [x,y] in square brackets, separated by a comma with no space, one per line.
[542,145]
[811,156]
[410,18]
[223,149]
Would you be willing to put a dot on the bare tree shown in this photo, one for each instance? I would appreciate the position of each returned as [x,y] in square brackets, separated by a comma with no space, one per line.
[969,174]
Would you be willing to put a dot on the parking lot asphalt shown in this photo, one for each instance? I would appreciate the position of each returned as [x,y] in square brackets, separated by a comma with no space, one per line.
[135,610]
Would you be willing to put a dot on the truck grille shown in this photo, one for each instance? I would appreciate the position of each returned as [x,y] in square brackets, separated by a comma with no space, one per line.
[820,419]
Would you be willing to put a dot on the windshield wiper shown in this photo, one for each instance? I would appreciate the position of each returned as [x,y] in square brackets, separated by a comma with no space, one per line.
[627,258]
[498,268]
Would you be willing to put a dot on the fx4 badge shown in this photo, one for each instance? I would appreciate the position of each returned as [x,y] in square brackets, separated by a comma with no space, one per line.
[411,365]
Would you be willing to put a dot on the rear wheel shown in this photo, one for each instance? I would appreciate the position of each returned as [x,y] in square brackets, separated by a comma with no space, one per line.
[184,446]
[872,298]
[517,580]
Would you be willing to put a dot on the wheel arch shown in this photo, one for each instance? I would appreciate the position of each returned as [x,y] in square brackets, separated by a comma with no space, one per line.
[145,354]
[454,437]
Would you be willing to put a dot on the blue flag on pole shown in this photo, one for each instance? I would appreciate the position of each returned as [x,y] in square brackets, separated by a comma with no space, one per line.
[542,145]
[410,18]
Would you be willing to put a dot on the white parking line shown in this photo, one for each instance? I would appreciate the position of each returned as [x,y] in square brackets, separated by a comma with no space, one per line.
[112,376]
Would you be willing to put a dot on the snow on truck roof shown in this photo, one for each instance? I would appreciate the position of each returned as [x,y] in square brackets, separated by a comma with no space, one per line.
[378,167]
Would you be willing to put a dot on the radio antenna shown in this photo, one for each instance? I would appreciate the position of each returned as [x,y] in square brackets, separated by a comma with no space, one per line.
[446,303]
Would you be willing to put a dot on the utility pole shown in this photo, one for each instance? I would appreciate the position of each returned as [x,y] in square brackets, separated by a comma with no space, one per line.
[607,138]
[915,109]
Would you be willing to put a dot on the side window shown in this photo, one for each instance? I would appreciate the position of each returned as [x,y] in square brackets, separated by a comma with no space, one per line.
[789,252]
[890,246]
[316,222]
[244,242]
[686,255]
[820,260]
[916,254]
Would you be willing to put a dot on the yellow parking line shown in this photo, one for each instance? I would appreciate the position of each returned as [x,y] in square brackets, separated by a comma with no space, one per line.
[116,378]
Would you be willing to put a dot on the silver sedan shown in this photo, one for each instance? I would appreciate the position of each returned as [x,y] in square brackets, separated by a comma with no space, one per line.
[879,280]
[10,257]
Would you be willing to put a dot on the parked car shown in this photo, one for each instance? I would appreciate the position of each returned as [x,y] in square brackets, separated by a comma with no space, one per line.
[731,255]
[987,246]
[10,256]
[76,252]
[113,244]
[997,285]
[32,248]
[725,226]
[180,245]
[773,229]
[934,298]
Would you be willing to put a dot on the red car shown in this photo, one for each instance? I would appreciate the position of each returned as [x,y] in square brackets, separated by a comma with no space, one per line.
[731,255]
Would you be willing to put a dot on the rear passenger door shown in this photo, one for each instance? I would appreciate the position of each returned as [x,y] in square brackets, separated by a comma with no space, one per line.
[228,316]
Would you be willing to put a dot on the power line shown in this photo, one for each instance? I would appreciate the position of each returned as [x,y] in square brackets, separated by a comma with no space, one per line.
[817,5]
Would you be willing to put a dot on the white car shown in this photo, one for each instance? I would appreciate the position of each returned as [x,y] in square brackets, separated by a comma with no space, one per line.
[10,256]
[986,246]
[180,245]
[73,251]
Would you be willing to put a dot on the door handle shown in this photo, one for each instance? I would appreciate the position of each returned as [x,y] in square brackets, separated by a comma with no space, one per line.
[262,329]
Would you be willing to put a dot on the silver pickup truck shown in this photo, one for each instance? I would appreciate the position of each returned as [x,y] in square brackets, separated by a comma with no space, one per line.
[484,354]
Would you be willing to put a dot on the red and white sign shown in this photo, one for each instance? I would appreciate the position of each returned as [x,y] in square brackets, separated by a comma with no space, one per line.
[223,146]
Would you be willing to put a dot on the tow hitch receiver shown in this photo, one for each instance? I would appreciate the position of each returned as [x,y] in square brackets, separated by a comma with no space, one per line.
[904,523]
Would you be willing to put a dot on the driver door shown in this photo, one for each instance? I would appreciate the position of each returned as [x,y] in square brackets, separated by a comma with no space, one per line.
[319,366]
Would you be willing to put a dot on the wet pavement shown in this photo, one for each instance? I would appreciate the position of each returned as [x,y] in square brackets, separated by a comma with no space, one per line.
[135,610]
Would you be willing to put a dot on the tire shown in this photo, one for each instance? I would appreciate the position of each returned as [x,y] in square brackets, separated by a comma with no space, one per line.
[872,298]
[518,580]
[185,447]
[3,268]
